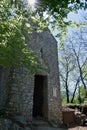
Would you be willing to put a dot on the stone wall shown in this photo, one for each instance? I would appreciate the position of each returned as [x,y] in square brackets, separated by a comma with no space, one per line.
[22,86]
[49,57]
[9,124]
[22,93]
[4,87]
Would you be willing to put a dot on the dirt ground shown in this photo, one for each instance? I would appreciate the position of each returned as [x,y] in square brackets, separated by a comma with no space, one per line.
[78,128]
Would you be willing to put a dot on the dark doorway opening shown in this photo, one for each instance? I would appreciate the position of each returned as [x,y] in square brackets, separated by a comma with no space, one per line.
[40,97]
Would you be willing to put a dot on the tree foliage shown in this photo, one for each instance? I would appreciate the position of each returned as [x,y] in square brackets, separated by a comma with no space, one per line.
[13,52]
[14,21]
[59,10]
[62,6]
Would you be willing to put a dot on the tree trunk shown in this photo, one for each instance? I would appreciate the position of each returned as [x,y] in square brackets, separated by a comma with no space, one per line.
[81,74]
[75,89]
[67,92]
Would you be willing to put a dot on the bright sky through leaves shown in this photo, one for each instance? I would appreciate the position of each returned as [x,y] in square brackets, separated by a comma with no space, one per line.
[32,3]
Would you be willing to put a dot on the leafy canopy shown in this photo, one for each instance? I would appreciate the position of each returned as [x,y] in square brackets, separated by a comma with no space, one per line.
[58,11]
[13,52]
[14,21]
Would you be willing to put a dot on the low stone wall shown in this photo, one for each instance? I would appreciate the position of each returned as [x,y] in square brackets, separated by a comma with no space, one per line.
[68,115]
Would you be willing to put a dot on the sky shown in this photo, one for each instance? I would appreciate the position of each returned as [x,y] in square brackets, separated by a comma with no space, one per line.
[74,17]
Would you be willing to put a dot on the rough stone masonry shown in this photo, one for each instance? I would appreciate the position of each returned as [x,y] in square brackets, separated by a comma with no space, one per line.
[34,96]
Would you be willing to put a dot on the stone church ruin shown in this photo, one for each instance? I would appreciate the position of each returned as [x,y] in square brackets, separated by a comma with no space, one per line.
[29,95]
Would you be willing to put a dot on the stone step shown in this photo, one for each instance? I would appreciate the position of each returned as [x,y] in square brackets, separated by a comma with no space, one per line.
[39,122]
